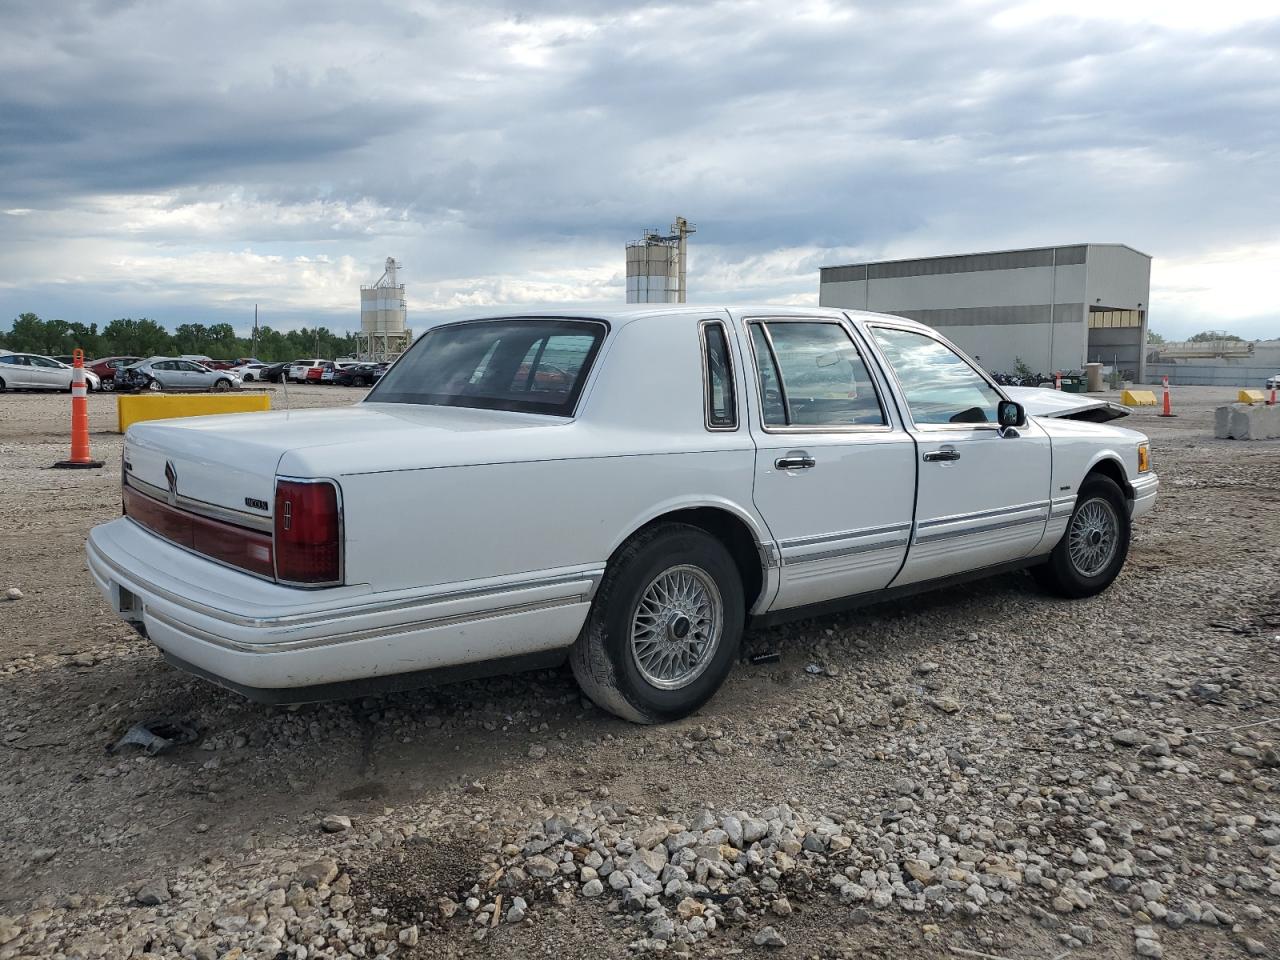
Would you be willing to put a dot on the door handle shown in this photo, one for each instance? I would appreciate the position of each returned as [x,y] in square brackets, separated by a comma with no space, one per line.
[795,463]
[945,455]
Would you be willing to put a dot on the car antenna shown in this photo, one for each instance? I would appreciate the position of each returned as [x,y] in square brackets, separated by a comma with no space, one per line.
[284,385]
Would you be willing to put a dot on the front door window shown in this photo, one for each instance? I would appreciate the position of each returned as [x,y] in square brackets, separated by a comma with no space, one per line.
[937,383]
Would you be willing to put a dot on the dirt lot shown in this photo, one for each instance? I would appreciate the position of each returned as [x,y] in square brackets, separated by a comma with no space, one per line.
[984,769]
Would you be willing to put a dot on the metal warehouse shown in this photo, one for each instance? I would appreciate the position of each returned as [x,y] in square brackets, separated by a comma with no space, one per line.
[1052,308]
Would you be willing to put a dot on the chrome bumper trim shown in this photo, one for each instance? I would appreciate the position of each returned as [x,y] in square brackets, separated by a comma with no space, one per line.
[354,607]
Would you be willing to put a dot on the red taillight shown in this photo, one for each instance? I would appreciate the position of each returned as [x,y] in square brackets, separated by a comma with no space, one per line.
[308,532]
[233,545]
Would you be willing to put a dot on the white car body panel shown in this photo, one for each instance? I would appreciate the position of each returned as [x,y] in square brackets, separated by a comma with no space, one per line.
[475,534]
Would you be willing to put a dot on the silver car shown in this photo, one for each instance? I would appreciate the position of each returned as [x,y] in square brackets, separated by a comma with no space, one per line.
[31,371]
[173,373]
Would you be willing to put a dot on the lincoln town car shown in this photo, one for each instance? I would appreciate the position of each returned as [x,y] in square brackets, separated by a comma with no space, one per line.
[627,491]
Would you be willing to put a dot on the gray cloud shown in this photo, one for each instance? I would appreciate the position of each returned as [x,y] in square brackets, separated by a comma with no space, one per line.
[503,150]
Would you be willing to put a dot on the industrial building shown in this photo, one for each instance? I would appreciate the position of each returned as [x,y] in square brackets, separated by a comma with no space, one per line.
[383,334]
[656,265]
[1215,363]
[1051,308]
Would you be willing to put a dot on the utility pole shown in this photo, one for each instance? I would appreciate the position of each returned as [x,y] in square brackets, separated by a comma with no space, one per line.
[253,349]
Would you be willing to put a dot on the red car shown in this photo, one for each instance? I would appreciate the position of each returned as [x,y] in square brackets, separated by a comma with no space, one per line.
[107,367]
[317,373]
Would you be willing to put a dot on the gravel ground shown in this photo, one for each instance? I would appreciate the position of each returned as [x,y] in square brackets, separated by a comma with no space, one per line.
[981,772]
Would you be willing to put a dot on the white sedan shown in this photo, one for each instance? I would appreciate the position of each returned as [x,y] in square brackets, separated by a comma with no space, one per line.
[248,372]
[32,371]
[627,490]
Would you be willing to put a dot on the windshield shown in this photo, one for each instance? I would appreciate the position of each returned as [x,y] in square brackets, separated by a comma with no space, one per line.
[528,365]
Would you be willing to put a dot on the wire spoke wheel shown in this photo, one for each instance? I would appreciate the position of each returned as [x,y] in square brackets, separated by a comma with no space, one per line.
[1093,537]
[676,627]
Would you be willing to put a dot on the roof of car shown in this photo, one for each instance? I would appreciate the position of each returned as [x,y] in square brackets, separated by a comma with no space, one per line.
[700,311]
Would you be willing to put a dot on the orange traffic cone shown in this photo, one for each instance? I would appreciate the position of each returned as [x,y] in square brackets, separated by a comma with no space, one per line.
[80,459]
[1272,401]
[1057,380]
[1168,407]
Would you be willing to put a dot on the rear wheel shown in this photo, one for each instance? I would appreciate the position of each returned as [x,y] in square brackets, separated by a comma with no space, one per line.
[154,385]
[359,382]
[1092,552]
[664,627]
[2,386]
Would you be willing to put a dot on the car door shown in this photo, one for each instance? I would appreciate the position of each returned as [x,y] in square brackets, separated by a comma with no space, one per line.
[14,371]
[835,469]
[47,374]
[197,376]
[983,496]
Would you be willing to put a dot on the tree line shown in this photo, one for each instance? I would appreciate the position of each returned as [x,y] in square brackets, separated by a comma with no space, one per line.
[127,337]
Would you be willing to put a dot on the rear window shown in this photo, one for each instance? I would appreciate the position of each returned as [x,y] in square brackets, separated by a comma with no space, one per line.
[530,366]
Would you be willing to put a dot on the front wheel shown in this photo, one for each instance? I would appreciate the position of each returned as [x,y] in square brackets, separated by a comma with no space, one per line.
[1092,552]
[664,627]
[221,386]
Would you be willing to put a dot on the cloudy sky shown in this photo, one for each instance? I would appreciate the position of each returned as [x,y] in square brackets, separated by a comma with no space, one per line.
[184,161]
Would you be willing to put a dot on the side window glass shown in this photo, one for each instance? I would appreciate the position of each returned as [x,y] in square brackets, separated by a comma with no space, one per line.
[10,360]
[721,404]
[824,381]
[937,383]
[774,413]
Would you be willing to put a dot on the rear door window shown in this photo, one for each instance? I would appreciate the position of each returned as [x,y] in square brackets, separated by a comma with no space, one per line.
[812,376]
[531,365]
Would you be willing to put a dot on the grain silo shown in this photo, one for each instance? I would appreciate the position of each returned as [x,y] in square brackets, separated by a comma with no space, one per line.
[383,331]
[656,265]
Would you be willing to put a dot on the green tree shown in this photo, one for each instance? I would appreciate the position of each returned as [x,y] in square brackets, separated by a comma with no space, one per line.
[1208,335]
[1153,337]
[136,338]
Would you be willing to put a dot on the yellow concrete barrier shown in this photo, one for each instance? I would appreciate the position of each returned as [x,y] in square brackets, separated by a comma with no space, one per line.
[1138,398]
[1251,396]
[134,409]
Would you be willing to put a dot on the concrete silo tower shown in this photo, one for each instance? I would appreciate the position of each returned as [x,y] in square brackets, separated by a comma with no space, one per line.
[383,313]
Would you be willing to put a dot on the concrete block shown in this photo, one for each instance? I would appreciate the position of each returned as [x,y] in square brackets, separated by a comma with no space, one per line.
[1242,421]
[1138,398]
[148,406]
[1251,396]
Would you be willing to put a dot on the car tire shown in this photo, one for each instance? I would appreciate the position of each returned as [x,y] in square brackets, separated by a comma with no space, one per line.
[633,677]
[221,385]
[154,385]
[1093,549]
[2,386]
[359,382]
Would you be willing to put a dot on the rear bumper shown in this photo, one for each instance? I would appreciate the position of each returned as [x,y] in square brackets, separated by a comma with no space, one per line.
[1145,488]
[250,635]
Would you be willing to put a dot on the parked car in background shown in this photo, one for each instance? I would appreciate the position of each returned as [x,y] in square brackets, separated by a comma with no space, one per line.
[107,368]
[1273,383]
[299,370]
[682,473]
[34,371]
[175,373]
[359,374]
[249,371]
[322,372]
[68,359]
[276,372]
